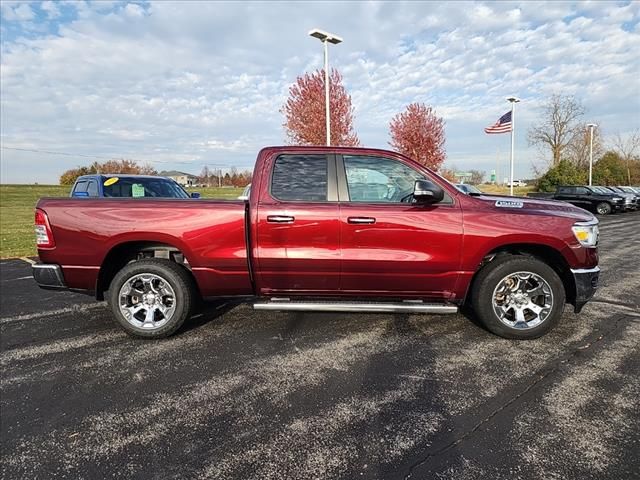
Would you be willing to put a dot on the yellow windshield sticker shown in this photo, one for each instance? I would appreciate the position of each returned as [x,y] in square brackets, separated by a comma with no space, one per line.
[110,181]
[137,190]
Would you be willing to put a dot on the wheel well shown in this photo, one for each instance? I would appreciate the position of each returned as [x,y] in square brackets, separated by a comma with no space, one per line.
[548,255]
[125,253]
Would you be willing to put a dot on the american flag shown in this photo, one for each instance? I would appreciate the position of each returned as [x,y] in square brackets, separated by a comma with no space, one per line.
[503,125]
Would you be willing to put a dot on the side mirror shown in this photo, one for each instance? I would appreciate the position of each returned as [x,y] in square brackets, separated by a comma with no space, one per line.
[195,194]
[425,191]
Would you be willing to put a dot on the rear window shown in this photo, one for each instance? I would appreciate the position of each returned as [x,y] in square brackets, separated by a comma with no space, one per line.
[300,178]
[143,188]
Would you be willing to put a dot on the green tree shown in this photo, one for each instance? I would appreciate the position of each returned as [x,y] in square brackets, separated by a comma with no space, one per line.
[611,169]
[564,173]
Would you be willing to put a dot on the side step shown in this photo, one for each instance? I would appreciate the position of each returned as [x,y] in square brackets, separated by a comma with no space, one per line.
[409,306]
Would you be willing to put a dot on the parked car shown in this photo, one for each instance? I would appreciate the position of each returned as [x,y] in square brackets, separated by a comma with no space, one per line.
[517,183]
[468,189]
[326,229]
[634,198]
[129,186]
[591,198]
[629,199]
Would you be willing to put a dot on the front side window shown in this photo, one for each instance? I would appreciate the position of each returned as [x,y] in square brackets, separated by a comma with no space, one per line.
[581,191]
[381,180]
[377,179]
[301,178]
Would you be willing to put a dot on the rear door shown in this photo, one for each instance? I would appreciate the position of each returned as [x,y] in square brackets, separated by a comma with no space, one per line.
[390,246]
[298,227]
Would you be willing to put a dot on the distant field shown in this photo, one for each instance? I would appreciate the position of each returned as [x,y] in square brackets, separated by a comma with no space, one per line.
[16,213]
[501,189]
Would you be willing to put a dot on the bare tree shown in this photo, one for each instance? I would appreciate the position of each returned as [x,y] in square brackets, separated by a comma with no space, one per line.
[578,149]
[558,126]
[627,148]
[477,177]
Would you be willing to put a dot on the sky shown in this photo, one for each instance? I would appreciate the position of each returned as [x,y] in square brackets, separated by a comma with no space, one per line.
[182,85]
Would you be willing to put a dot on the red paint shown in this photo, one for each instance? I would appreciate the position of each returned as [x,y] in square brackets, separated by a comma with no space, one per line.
[410,251]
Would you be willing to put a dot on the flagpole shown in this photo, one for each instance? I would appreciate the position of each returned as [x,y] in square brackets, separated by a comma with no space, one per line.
[513,101]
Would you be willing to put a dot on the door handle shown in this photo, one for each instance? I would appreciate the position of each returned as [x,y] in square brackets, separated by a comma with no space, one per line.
[361,220]
[280,219]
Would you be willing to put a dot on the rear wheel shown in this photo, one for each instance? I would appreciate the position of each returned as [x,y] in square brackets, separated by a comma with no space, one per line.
[518,297]
[603,208]
[151,298]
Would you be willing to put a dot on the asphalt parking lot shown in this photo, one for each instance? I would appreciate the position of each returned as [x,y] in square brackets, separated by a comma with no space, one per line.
[244,394]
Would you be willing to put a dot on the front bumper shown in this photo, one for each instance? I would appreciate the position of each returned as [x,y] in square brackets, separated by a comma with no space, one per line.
[586,281]
[48,276]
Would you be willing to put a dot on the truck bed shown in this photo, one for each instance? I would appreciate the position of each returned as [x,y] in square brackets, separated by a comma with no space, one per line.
[210,234]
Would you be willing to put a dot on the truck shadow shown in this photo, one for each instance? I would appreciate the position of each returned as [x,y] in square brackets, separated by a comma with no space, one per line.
[208,312]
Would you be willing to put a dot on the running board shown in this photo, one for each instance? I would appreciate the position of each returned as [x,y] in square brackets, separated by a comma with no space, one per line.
[276,304]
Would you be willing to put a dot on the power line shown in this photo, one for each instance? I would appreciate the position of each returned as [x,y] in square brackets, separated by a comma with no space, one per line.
[69,154]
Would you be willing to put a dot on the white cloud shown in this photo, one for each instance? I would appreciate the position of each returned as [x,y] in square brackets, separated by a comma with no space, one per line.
[203,82]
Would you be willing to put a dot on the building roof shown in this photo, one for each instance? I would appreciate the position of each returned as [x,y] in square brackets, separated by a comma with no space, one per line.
[175,173]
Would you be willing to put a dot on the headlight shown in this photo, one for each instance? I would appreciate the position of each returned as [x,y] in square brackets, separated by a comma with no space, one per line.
[586,233]
[617,199]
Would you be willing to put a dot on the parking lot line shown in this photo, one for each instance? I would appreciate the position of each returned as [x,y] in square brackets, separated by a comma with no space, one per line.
[19,278]
[33,316]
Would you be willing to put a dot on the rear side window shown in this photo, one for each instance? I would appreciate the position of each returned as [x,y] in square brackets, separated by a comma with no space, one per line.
[301,178]
[81,186]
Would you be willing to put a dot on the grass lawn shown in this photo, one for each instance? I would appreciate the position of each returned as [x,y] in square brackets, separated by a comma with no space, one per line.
[16,213]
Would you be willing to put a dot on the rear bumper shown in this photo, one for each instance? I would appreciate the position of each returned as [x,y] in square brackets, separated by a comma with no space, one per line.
[586,281]
[49,276]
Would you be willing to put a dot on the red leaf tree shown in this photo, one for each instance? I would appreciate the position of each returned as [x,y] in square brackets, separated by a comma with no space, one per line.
[419,134]
[304,111]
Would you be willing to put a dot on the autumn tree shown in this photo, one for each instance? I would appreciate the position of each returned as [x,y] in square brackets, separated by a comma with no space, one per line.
[558,125]
[628,148]
[419,133]
[304,111]
[110,166]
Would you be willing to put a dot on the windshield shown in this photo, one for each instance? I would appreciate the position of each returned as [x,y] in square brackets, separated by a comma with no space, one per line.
[140,187]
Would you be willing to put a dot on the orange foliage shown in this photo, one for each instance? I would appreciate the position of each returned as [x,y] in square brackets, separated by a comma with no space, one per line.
[305,111]
[419,134]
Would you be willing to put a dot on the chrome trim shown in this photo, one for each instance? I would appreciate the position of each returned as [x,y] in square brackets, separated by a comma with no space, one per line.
[280,219]
[585,270]
[355,307]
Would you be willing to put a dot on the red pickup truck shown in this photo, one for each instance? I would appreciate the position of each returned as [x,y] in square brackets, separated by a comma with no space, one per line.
[325,229]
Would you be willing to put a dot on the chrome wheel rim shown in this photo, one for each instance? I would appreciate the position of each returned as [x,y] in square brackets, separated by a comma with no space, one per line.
[602,209]
[147,301]
[522,300]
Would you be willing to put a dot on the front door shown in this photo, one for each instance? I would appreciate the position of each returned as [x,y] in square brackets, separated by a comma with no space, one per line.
[390,246]
[298,227]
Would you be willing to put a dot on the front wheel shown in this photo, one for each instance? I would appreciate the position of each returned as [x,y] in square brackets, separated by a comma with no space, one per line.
[151,298]
[603,208]
[518,297]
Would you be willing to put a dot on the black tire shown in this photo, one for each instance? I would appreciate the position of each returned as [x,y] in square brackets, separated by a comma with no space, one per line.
[493,273]
[176,276]
[603,208]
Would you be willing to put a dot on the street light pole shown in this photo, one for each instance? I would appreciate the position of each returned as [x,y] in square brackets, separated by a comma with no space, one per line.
[513,101]
[591,126]
[325,38]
